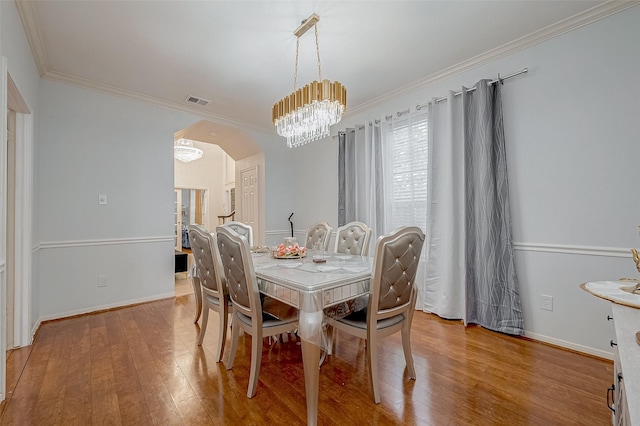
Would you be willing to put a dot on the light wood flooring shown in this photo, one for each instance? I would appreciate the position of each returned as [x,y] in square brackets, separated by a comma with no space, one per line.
[183,284]
[141,365]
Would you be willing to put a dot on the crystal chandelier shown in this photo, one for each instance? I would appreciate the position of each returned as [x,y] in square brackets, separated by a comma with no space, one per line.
[184,150]
[306,114]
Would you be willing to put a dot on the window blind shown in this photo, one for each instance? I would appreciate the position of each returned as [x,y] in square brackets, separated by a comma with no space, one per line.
[409,162]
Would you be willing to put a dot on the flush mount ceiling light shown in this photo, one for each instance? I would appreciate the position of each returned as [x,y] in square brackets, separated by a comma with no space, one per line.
[306,114]
[184,150]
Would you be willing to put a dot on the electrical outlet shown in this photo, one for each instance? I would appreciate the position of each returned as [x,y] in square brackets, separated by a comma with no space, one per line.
[102,198]
[547,302]
[102,280]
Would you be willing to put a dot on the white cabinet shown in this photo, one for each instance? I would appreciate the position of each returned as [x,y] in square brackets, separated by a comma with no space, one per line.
[623,397]
[618,405]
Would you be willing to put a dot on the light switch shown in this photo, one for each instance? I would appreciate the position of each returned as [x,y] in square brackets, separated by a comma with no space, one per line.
[102,198]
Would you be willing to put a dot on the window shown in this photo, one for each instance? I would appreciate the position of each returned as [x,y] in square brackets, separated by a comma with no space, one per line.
[408,148]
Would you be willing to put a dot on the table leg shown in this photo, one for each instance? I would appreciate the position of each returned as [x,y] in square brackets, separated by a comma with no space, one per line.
[310,360]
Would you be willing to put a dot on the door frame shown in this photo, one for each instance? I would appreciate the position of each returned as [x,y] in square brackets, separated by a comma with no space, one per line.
[23,333]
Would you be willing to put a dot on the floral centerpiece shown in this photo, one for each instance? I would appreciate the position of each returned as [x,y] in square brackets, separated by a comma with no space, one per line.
[292,251]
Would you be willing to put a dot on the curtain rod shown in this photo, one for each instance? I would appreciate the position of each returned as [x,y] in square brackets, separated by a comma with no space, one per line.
[420,106]
[499,79]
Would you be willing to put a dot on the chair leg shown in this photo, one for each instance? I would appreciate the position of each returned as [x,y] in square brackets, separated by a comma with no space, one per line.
[324,350]
[373,365]
[235,335]
[222,333]
[203,326]
[331,333]
[256,361]
[406,346]
[197,292]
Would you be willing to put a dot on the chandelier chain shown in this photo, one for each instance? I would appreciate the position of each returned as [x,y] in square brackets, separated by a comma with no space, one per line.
[315,26]
[295,74]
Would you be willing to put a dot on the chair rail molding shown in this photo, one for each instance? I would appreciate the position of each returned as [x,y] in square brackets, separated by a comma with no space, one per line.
[574,249]
[104,242]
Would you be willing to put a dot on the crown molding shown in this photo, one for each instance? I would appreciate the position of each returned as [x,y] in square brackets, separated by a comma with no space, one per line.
[544,34]
[28,17]
[106,88]
[27,14]
[117,91]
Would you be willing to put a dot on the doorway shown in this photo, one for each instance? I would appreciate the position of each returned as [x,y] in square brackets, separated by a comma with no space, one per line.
[226,151]
[16,192]
[191,208]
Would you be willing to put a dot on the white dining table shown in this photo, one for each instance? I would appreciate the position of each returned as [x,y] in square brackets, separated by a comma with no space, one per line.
[311,287]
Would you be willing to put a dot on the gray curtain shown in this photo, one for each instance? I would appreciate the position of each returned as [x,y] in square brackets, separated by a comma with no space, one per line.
[360,178]
[492,298]
[346,176]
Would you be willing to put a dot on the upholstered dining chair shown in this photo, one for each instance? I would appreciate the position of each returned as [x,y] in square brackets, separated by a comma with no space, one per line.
[392,298]
[247,312]
[210,275]
[353,238]
[320,231]
[242,229]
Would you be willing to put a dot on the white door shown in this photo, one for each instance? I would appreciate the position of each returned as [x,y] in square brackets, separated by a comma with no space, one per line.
[250,208]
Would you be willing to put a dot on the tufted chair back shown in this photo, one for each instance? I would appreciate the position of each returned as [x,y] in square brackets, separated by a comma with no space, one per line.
[238,268]
[392,299]
[395,266]
[211,282]
[247,314]
[353,238]
[242,229]
[207,259]
[320,231]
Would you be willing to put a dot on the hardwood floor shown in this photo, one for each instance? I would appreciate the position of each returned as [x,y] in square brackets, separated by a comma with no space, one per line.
[141,365]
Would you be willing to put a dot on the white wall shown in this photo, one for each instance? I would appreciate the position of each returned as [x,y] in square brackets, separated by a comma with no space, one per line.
[206,173]
[94,143]
[572,128]
[279,175]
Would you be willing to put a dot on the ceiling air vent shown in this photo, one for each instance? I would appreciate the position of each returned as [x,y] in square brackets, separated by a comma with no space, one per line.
[198,101]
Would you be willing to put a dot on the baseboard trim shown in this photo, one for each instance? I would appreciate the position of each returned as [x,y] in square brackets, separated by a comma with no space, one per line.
[107,307]
[34,330]
[568,345]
